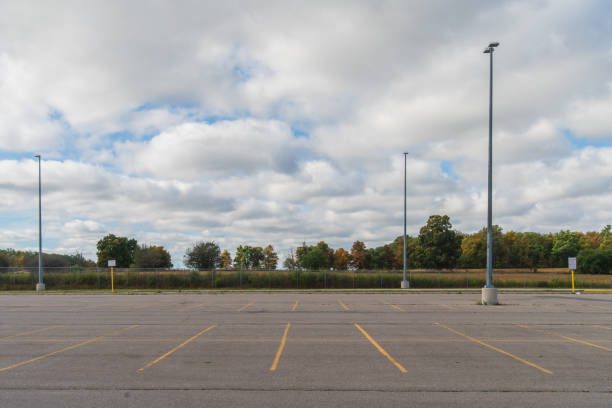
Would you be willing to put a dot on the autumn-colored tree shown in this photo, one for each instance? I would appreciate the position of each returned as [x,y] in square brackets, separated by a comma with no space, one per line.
[474,249]
[398,252]
[226,259]
[270,258]
[341,259]
[300,252]
[358,255]
[606,237]
[590,239]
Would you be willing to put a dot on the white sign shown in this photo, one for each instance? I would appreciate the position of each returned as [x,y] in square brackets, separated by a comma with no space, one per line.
[112,262]
[571,264]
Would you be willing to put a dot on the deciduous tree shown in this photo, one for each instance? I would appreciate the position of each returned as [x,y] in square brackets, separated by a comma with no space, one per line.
[121,249]
[439,246]
[203,255]
[226,259]
[290,261]
[270,258]
[152,257]
[341,259]
[566,244]
[248,257]
[358,255]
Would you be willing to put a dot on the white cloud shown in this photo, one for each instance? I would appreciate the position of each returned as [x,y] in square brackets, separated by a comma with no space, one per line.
[592,118]
[25,123]
[201,150]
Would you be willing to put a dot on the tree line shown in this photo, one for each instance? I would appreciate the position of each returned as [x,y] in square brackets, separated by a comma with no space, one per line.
[29,259]
[437,246]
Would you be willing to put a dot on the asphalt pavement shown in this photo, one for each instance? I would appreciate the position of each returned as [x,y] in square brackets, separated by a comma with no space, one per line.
[302,350]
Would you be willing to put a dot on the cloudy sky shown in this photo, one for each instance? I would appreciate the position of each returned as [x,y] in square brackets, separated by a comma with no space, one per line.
[281,122]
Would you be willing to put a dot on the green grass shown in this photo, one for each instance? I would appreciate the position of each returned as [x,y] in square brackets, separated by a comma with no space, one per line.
[271,280]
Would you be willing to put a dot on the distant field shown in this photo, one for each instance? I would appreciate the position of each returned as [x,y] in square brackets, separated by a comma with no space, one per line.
[24,279]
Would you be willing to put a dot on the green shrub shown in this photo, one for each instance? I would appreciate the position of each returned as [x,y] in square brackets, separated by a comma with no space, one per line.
[595,261]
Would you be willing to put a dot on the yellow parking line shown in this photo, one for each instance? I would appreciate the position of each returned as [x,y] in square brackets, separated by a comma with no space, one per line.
[594,306]
[382,350]
[189,340]
[191,307]
[445,306]
[482,343]
[66,348]
[394,306]
[294,306]
[571,339]
[280,348]
[601,326]
[30,332]
[343,305]
[245,306]
[146,306]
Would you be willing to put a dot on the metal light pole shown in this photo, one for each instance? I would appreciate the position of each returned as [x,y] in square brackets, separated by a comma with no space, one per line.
[489,292]
[40,285]
[405,283]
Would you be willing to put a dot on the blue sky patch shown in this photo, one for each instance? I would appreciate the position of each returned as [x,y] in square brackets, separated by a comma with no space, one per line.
[447,168]
[582,142]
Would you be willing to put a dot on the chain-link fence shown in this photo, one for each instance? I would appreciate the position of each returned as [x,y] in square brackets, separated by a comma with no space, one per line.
[18,278]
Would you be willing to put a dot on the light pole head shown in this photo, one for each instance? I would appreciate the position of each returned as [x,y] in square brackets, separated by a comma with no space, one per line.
[490,47]
[37,155]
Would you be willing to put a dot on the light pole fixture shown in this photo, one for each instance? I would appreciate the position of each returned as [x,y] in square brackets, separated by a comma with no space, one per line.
[405,283]
[489,292]
[40,285]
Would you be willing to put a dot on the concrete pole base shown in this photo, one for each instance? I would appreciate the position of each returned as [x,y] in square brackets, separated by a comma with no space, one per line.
[40,286]
[489,296]
[405,284]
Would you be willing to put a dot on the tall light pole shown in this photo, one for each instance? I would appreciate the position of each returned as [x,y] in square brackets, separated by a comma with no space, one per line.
[40,285]
[489,292]
[405,283]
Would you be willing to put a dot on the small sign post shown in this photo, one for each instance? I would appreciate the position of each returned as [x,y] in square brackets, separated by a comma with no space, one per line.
[571,264]
[112,263]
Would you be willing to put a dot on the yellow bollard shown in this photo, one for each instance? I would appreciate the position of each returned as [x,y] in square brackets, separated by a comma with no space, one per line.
[113,280]
[573,291]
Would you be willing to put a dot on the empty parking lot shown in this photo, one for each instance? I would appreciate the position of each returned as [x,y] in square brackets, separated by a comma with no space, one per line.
[300,349]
